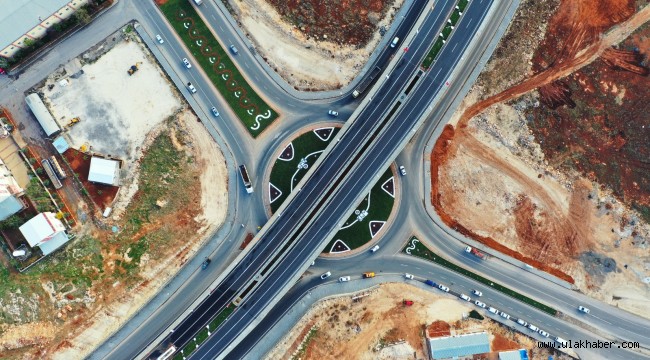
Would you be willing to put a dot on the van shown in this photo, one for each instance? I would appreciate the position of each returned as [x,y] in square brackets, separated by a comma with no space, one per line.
[395,41]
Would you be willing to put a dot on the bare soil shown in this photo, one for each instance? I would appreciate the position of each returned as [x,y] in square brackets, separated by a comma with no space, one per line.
[554,173]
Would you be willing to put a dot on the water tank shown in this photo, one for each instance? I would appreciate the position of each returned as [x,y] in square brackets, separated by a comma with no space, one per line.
[18,253]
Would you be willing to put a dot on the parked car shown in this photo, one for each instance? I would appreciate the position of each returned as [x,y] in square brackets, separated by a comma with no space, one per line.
[234,50]
[521,322]
[477,293]
[533,327]
[191,88]
[375,248]
[443,288]
[344,279]
[407,302]
[160,40]
[214,111]
[584,309]
[543,333]
[187,63]
[493,310]
[408,276]
[430,283]
[326,275]
[205,263]
[333,113]
[402,170]
[368,275]
[465,297]
[479,304]
[504,315]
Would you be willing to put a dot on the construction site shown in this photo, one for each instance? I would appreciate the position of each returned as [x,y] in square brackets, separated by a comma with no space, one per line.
[546,160]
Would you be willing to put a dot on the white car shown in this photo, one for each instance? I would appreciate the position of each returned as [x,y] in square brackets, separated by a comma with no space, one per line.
[468,249]
[375,248]
[533,327]
[408,276]
[333,113]
[493,310]
[402,170]
[521,322]
[479,304]
[465,297]
[543,333]
[160,40]
[326,275]
[504,315]
[477,293]
[443,288]
[584,309]
[215,112]
[344,279]
[187,63]
[191,88]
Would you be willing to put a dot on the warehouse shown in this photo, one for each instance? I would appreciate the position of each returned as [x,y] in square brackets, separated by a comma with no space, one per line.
[42,115]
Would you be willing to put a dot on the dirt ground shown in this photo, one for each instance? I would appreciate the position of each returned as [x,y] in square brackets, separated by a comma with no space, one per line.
[71,302]
[366,329]
[534,162]
[310,59]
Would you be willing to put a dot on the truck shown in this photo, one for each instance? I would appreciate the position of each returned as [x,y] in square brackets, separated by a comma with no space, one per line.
[473,251]
[366,82]
[246,179]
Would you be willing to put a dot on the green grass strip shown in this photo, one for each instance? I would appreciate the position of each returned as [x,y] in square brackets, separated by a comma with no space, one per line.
[202,335]
[253,112]
[423,252]
[446,32]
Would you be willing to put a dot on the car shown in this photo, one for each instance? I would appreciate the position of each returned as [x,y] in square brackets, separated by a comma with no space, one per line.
[234,50]
[214,111]
[465,297]
[477,293]
[479,304]
[543,333]
[402,170]
[504,315]
[584,309]
[313,263]
[394,42]
[368,275]
[205,263]
[344,279]
[468,249]
[375,248]
[522,322]
[430,283]
[443,288]
[333,113]
[533,327]
[191,88]
[187,63]
[493,310]
[326,275]
[160,40]
[408,276]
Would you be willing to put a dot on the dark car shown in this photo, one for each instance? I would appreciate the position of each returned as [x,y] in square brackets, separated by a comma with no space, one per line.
[205,264]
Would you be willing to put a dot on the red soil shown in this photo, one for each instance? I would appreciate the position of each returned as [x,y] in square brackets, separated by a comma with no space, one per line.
[101,195]
[501,343]
[438,328]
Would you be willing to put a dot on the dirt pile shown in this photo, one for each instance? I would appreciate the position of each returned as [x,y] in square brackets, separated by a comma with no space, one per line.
[350,22]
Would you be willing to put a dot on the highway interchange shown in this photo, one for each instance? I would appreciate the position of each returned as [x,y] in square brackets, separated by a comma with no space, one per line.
[608,322]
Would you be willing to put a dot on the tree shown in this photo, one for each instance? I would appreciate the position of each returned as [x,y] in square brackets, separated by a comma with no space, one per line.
[82,16]
[4,63]
[29,42]
[12,222]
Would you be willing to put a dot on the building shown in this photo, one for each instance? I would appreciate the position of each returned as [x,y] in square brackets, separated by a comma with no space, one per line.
[10,193]
[42,114]
[104,171]
[458,346]
[44,231]
[520,354]
[21,20]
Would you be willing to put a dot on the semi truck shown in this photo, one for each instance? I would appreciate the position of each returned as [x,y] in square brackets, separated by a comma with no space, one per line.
[473,251]
[366,82]
[245,178]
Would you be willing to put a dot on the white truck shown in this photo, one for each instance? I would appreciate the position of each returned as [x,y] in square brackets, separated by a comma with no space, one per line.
[245,178]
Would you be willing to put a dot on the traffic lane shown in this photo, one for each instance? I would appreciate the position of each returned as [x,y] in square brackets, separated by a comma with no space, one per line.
[373,109]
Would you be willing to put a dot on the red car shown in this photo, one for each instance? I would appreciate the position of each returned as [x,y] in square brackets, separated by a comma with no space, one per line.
[2,71]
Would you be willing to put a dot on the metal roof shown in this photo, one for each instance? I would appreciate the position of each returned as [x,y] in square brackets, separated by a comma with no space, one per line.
[520,354]
[42,114]
[459,345]
[40,227]
[54,243]
[103,171]
[18,17]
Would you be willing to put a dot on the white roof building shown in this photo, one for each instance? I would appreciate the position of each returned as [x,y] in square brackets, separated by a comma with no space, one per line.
[104,171]
[42,114]
[45,231]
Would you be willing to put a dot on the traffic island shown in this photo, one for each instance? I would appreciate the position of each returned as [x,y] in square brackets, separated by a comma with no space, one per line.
[292,164]
[251,110]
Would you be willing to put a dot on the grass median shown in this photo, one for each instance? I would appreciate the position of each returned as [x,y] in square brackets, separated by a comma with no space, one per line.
[416,248]
[201,336]
[253,112]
